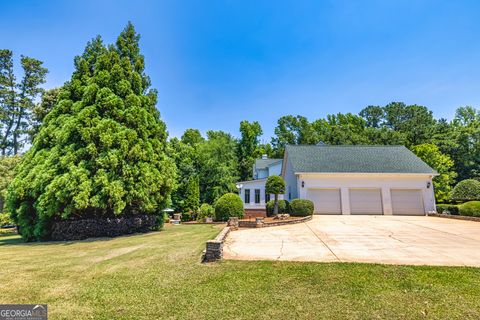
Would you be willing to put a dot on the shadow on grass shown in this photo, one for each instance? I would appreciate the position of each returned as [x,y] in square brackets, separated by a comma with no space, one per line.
[12,238]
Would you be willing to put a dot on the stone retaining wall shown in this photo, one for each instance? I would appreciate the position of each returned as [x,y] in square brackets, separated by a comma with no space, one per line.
[214,248]
[256,224]
[101,227]
[467,218]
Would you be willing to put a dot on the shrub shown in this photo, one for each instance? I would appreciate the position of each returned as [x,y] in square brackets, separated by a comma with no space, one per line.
[5,219]
[205,211]
[301,207]
[166,217]
[447,209]
[186,216]
[160,220]
[283,207]
[466,190]
[228,205]
[471,208]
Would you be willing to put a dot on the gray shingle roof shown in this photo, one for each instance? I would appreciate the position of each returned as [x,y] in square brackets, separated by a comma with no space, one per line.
[264,163]
[355,159]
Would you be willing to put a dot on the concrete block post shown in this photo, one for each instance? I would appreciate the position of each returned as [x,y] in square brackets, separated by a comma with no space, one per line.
[387,201]
[345,196]
[233,223]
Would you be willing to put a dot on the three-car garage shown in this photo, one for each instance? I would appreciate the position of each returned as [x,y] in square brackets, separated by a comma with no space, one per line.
[366,201]
[359,180]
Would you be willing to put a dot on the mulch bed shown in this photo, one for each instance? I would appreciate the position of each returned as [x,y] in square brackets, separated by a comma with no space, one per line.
[270,219]
[449,216]
[200,222]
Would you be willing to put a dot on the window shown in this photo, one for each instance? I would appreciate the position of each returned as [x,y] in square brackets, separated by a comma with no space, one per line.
[267,197]
[289,193]
[257,195]
[247,195]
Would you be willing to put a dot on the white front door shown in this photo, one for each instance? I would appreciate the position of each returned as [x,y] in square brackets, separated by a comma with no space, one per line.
[366,201]
[407,202]
[325,201]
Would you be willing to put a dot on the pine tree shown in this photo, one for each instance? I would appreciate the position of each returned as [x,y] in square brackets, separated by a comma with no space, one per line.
[101,150]
[17,100]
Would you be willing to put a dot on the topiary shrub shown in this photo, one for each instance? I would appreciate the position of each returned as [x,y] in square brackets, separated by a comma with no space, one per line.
[301,207]
[228,205]
[275,185]
[447,209]
[471,208]
[283,207]
[205,211]
[466,190]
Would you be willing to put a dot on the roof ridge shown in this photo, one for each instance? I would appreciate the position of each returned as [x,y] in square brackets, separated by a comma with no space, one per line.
[345,145]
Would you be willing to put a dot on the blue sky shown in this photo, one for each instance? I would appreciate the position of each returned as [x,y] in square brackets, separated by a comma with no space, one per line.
[216,63]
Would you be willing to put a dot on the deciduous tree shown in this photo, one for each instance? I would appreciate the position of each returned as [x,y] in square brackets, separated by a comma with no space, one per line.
[442,163]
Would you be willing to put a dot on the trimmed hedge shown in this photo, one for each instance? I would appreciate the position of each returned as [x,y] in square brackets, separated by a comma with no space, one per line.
[283,207]
[471,208]
[466,190]
[228,205]
[104,227]
[301,207]
[448,209]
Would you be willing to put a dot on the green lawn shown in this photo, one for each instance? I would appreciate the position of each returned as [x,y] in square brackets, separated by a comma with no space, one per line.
[159,276]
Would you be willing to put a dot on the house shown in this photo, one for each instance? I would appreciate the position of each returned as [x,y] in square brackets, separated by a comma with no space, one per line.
[382,180]
[253,192]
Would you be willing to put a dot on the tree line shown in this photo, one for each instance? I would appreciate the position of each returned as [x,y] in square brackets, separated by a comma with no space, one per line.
[450,147]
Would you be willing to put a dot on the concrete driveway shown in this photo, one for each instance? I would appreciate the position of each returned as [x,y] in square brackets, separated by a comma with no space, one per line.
[375,239]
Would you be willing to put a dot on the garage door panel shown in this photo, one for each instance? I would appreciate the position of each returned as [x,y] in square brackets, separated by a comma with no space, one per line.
[366,201]
[325,201]
[407,202]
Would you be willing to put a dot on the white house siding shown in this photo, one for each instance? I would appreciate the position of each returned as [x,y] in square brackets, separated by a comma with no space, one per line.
[262,173]
[275,169]
[252,185]
[385,182]
[291,182]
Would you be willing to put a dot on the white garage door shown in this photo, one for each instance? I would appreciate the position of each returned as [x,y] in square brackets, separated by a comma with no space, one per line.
[366,201]
[326,201]
[407,202]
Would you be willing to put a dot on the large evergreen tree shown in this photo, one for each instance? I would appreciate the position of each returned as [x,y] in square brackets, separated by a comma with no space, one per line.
[101,150]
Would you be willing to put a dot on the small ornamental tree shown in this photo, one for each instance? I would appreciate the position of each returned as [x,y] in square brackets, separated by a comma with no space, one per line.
[101,150]
[275,185]
[466,190]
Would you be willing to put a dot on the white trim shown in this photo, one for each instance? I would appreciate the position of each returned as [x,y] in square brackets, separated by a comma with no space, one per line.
[252,181]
